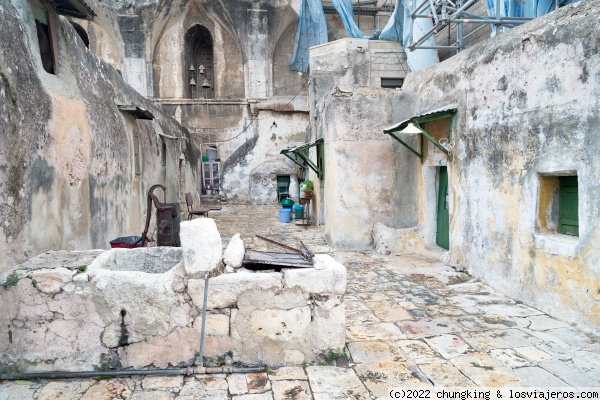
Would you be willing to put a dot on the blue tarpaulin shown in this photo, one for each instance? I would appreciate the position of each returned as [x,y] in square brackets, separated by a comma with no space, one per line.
[393,28]
[312,31]
[346,11]
[522,9]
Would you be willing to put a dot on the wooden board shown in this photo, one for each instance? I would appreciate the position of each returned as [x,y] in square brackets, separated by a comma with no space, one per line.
[285,259]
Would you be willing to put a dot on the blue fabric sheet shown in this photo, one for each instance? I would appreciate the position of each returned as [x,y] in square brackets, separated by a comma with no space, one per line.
[312,31]
[522,9]
[346,11]
[393,29]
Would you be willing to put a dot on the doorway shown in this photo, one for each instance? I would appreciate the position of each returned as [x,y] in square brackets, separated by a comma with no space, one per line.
[443,216]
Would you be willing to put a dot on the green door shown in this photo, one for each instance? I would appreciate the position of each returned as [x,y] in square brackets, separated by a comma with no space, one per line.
[569,209]
[443,217]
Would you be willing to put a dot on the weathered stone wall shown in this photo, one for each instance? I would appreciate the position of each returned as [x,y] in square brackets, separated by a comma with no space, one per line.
[364,172]
[357,190]
[250,172]
[142,308]
[68,174]
[527,108]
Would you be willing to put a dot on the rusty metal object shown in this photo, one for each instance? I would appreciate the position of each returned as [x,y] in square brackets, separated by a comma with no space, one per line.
[303,258]
[288,260]
[278,244]
[167,219]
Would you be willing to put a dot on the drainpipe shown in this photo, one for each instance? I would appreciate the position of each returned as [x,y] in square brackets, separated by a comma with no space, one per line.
[129,372]
[201,357]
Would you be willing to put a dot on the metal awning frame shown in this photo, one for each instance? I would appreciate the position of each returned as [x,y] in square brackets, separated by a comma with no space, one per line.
[302,152]
[420,119]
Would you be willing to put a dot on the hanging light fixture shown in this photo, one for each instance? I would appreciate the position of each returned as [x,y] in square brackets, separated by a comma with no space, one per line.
[192,67]
[192,82]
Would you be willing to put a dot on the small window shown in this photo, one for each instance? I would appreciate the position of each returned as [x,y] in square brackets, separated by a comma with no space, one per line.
[392,83]
[569,209]
[559,204]
[163,153]
[46,41]
[81,33]
[321,159]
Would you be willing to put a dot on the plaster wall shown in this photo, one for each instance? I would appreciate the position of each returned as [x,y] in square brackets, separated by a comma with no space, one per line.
[527,108]
[348,111]
[250,172]
[361,182]
[67,168]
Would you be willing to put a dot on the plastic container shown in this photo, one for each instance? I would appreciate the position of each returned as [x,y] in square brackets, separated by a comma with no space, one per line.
[285,215]
[298,211]
[287,203]
[211,153]
[127,242]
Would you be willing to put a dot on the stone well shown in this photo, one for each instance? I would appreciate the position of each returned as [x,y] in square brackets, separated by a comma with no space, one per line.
[142,308]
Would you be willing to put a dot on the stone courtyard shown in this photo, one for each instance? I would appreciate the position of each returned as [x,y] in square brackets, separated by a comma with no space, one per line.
[410,322]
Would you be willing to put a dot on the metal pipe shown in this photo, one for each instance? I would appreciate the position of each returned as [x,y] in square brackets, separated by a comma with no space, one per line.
[201,360]
[128,372]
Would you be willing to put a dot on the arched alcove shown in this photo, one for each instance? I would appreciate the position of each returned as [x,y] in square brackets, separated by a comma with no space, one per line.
[199,69]
[82,33]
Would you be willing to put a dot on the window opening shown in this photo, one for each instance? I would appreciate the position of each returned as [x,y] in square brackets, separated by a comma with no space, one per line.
[568,204]
[199,64]
[45,41]
[81,33]
[163,153]
[392,83]
[321,159]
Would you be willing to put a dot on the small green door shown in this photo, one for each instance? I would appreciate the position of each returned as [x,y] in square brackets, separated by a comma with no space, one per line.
[569,209]
[443,216]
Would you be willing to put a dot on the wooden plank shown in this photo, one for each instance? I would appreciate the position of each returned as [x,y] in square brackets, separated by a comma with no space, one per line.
[285,259]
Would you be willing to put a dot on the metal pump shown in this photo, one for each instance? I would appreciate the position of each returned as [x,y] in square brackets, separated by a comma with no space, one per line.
[167,219]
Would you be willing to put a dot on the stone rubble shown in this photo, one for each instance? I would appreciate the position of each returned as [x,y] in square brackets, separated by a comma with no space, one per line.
[409,321]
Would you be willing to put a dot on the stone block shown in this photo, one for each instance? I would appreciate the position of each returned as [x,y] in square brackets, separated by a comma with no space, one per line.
[234,253]
[327,277]
[179,346]
[51,281]
[224,290]
[202,241]
[216,324]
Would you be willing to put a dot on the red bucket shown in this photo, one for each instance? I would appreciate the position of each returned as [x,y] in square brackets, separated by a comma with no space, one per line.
[128,242]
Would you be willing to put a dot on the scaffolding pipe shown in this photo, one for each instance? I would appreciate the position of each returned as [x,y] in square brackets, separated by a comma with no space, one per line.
[128,372]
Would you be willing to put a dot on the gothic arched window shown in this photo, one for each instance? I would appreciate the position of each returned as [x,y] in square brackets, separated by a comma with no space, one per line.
[199,76]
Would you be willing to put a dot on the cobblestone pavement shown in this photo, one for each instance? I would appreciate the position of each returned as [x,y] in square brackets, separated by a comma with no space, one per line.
[410,322]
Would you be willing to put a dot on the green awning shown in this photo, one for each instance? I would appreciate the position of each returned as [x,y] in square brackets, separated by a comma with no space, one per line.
[432,115]
[302,152]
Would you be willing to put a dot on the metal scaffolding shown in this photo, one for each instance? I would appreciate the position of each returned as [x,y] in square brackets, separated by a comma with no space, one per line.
[454,12]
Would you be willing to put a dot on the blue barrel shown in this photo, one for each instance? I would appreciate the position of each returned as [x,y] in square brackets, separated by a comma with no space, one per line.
[285,215]
[298,211]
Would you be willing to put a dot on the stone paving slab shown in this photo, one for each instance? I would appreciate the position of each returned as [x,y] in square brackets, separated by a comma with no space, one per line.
[409,320]
[335,383]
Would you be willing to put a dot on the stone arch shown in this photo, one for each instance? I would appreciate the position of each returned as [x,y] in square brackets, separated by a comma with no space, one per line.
[285,81]
[199,71]
[81,33]
[263,182]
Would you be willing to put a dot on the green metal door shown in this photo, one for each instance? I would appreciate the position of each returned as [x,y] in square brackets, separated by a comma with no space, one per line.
[443,216]
[569,209]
